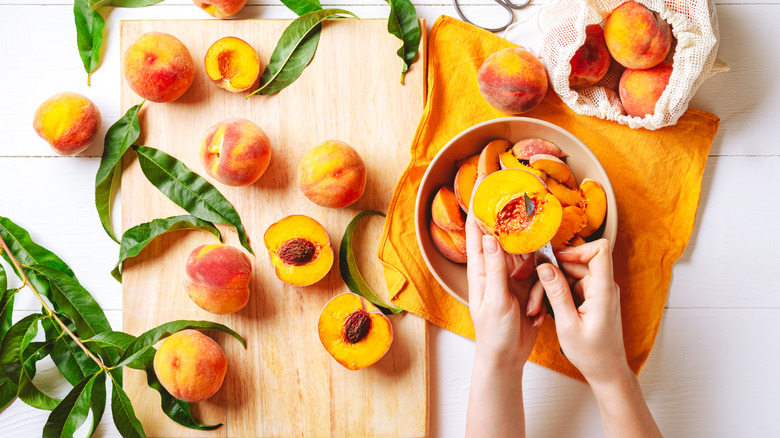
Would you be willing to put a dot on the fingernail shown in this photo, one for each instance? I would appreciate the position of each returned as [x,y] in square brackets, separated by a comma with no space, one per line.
[545,272]
[529,307]
[489,244]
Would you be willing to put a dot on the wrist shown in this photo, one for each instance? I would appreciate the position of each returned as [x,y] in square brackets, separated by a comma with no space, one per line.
[498,362]
[622,381]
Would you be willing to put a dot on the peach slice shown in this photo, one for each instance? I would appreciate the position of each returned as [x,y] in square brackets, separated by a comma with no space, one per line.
[465,180]
[232,64]
[564,194]
[450,245]
[573,221]
[500,209]
[354,337]
[509,161]
[300,250]
[525,149]
[594,204]
[488,159]
[555,168]
[446,212]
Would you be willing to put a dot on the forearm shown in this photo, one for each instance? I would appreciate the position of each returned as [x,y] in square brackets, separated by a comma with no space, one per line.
[495,400]
[624,411]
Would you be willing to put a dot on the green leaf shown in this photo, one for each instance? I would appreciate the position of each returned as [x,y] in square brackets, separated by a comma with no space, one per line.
[8,391]
[120,136]
[118,340]
[97,401]
[73,300]
[6,310]
[71,413]
[95,4]
[403,24]
[28,253]
[350,272]
[89,35]
[294,50]
[135,239]
[302,7]
[175,409]
[28,391]
[124,415]
[15,343]
[189,190]
[145,341]
[529,206]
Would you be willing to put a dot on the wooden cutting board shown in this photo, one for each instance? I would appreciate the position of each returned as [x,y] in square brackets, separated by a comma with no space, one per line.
[284,384]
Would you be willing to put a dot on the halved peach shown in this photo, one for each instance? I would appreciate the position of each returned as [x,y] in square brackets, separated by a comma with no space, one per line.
[573,221]
[488,159]
[500,209]
[300,250]
[450,245]
[525,149]
[232,64]
[509,161]
[555,168]
[445,210]
[594,204]
[465,180]
[351,335]
[564,194]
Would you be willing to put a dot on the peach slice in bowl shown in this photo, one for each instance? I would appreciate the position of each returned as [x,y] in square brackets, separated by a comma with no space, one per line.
[472,141]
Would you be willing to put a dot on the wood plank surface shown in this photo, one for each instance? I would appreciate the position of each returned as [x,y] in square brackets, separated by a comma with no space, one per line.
[284,383]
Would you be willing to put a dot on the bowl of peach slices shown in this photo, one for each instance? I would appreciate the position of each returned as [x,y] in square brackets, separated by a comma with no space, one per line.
[542,185]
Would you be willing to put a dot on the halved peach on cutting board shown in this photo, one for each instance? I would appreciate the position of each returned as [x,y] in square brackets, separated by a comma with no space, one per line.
[446,212]
[451,245]
[232,64]
[465,180]
[501,209]
[554,168]
[573,220]
[594,204]
[300,250]
[488,159]
[525,149]
[353,336]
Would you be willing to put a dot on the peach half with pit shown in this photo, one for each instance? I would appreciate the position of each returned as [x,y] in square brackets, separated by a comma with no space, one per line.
[446,212]
[332,174]
[512,80]
[232,64]
[67,121]
[216,277]
[514,206]
[353,336]
[637,37]
[190,366]
[220,8]
[594,204]
[452,245]
[235,152]
[158,67]
[300,250]
[591,61]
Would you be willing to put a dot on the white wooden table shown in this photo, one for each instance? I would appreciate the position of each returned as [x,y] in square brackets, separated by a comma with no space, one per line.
[713,372]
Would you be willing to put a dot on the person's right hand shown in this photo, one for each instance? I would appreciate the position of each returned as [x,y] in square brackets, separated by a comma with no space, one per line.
[590,335]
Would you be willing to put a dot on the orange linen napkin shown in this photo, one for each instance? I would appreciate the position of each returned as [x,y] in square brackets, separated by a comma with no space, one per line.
[656,176]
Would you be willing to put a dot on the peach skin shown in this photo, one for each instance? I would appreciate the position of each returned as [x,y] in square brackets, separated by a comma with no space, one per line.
[158,67]
[190,365]
[512,80]
[636,36]
[217,278]
[235,152]
[67,121]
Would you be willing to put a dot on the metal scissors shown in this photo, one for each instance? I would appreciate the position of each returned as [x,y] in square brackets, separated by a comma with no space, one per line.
[506,4]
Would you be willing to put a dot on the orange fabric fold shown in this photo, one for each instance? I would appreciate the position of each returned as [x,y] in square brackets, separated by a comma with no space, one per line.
[656,176]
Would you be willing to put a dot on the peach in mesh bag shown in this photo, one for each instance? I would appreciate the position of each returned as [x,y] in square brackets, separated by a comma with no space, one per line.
[694,25]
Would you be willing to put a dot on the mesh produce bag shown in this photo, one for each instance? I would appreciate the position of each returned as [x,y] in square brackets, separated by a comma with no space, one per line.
[694,24]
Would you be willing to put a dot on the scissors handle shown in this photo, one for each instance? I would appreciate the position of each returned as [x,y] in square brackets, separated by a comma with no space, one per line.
[506,4]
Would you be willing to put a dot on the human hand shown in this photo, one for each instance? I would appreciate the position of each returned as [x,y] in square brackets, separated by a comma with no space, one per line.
[590,335]
[499,290]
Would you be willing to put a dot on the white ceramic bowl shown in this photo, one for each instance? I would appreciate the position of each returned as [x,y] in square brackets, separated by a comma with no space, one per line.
[441,171]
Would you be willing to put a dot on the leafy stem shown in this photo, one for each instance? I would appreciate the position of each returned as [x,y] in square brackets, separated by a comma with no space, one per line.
[46,306]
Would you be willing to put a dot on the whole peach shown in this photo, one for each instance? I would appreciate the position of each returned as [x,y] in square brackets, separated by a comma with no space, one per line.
[512,80]
[332,174]
[68,121]
[591,61]
[220,8]
[158,67]
[217,278]
[190,365]
[636,36]
[640,89]
[236,152]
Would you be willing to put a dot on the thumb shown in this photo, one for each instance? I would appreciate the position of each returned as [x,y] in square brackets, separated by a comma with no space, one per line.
[557,289]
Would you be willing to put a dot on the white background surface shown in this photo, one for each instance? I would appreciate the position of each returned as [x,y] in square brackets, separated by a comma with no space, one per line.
[713,371]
